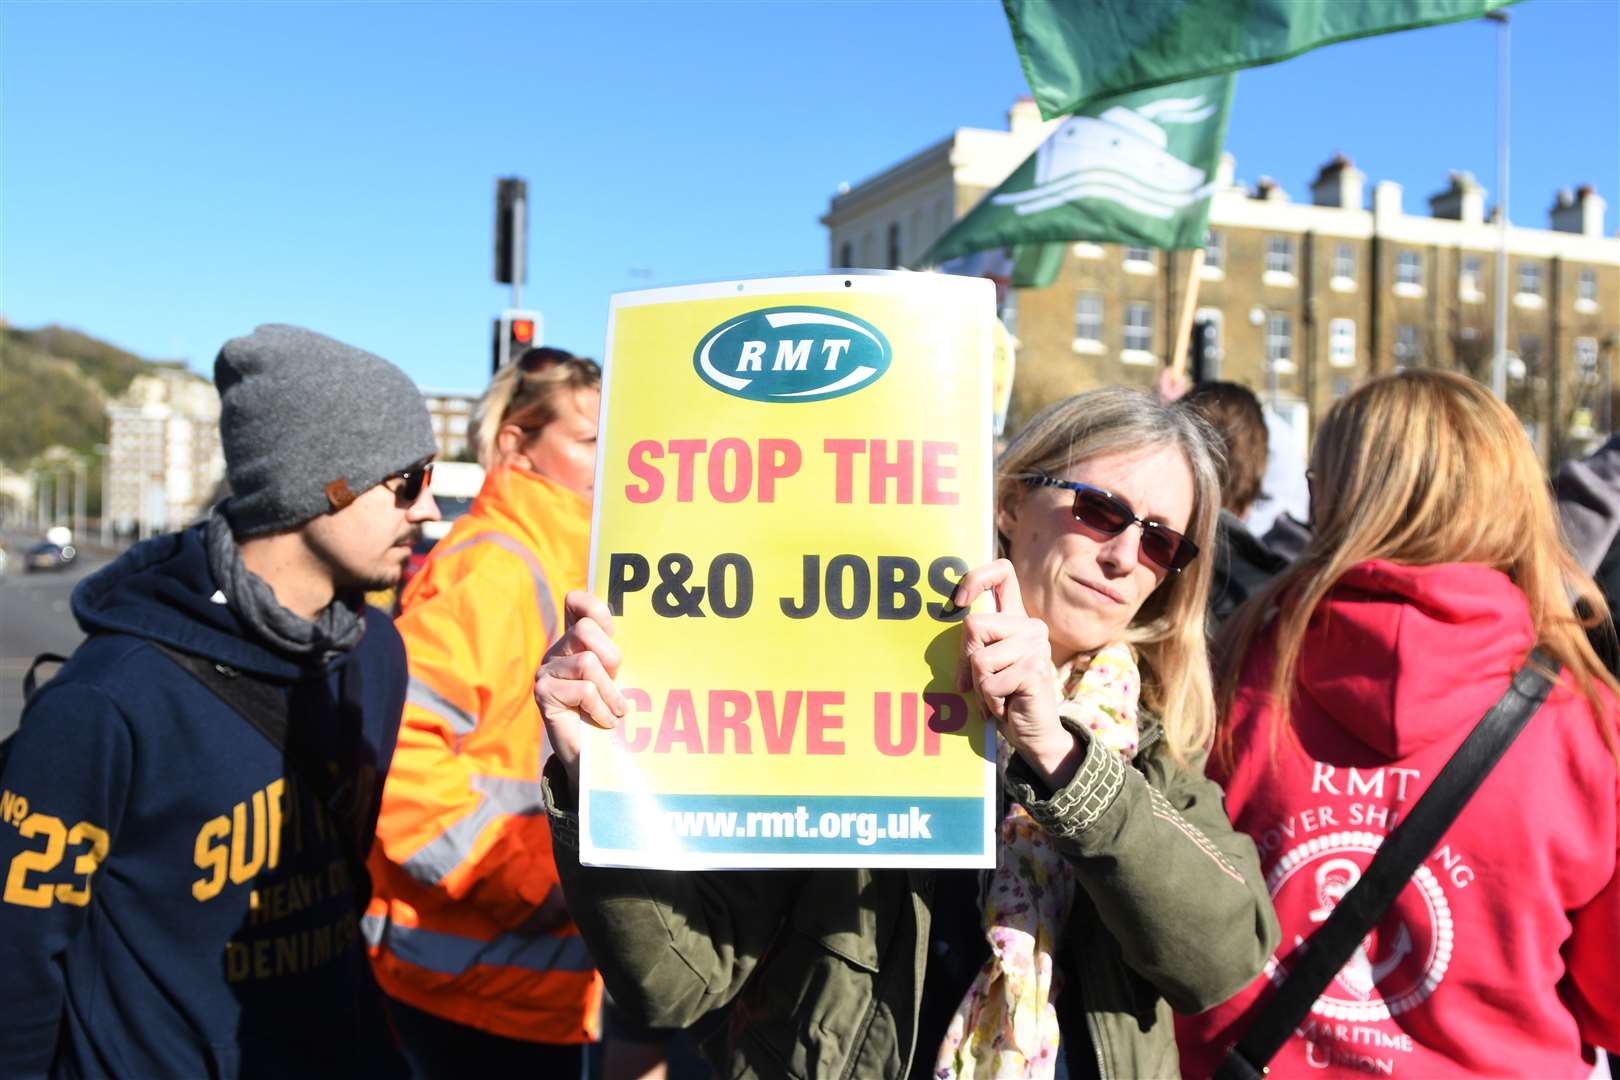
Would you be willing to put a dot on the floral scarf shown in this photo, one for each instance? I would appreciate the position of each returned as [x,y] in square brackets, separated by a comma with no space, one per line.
[1007,1024]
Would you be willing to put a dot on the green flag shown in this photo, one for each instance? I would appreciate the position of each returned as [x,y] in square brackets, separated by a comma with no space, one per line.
[1136,169]
[1077,51]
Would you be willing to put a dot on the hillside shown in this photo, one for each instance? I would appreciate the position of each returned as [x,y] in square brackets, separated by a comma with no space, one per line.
[54,386]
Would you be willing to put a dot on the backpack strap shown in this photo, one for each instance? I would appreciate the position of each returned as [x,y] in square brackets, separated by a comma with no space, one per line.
[30,680]
[265,709]
[1398,857]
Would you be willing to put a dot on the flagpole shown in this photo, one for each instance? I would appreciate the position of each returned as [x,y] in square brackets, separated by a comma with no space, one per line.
[1184,319]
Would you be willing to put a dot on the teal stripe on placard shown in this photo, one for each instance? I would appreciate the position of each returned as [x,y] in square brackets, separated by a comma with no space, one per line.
[789,825]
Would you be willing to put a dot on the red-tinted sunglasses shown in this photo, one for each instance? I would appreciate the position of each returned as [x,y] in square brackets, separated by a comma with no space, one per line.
[410,482]
[1104,512]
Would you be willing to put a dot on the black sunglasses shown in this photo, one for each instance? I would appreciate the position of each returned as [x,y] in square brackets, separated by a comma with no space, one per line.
[1101,510]
[411,481]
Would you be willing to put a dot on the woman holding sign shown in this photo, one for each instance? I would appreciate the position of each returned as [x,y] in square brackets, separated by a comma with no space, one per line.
[1121,892]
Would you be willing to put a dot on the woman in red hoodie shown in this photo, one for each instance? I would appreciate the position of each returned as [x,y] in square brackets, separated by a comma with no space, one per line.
[1349,681]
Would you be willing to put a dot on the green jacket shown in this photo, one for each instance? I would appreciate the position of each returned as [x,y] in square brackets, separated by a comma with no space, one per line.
[826,966]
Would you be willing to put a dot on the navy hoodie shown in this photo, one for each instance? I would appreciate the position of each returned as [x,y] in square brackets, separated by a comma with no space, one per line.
[175,903]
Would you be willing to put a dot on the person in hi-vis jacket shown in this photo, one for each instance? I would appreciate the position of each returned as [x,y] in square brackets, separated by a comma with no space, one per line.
[469,935]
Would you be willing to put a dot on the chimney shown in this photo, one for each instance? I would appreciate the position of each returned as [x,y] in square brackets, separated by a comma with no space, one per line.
[1024,116]
[1268,190]
[1386,200]
[1463,201]
[1339,183]
[1580,211]
[1225,171]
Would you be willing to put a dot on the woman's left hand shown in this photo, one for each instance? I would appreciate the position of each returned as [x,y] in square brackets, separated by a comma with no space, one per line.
[1007,661]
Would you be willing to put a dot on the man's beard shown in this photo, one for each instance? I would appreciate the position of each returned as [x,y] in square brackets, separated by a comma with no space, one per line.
[385,579]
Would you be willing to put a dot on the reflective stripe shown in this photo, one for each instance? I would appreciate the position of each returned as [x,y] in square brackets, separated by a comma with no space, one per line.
[542,587]
[451,954]
[423,696]
[433,863]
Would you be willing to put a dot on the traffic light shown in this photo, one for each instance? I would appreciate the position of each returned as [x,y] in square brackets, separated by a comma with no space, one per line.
[516,332]
[1204,361]
[511,231]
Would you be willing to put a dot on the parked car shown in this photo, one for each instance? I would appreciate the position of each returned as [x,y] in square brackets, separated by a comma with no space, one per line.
[48,556]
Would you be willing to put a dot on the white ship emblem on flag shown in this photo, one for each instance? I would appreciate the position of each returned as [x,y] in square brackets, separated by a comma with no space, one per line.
[1121,156]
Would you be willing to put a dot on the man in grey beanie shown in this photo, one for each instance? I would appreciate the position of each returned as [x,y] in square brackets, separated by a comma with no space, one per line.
[196,791]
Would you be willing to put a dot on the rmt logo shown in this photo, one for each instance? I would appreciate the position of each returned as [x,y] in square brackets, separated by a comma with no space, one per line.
[792,354]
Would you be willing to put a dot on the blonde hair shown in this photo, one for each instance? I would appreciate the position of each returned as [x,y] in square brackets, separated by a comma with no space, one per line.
[1421,468]
[527,399]
[1168,630]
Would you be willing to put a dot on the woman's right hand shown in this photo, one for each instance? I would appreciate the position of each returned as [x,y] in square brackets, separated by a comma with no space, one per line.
[575,679]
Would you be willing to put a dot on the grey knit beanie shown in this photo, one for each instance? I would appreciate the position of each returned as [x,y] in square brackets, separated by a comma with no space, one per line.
[308,424]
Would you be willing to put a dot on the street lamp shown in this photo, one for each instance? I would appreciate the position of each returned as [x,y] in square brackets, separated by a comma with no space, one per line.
[1257,319]
[1499,358]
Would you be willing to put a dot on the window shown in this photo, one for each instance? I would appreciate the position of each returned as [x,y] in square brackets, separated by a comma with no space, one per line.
[1342,342]
[1214,251]
[1088,318]
[1586,357]
[1409,269]
[1406,345]
[1469,278]
[1529,279]
[1279,255]
[1138,328]
[1139,255]
[1344,263]
[1279,340]
[1586,287]
[846,254]
[894,246]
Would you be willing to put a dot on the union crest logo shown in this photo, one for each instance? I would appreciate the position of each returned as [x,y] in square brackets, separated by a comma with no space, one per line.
[1394,968]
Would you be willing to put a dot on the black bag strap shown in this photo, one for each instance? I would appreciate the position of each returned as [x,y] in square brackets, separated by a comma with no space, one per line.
[265,709]
[31,680]
[1398,858]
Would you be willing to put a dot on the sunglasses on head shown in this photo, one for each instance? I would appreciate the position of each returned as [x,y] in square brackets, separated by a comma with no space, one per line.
[1102,512]
[408,484]
[542,357]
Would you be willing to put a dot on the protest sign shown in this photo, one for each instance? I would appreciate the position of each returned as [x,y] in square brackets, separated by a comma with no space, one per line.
[792,475]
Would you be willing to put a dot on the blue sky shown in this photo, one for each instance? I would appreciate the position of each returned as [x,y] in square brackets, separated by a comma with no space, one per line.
[172,174]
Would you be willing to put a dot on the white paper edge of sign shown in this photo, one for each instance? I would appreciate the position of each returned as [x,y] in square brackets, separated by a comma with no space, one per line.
[868,281]
[622,859]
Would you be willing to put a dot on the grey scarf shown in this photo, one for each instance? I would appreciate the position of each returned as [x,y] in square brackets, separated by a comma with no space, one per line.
[335,630]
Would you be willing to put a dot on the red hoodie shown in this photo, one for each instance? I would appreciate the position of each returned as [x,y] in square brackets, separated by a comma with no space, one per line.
[1502,955]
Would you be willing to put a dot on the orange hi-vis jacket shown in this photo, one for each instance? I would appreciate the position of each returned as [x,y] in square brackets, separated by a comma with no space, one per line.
[466,920]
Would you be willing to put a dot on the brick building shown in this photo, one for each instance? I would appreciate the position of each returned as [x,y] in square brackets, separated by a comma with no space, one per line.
[164,461]
[1305,299]
[451,411]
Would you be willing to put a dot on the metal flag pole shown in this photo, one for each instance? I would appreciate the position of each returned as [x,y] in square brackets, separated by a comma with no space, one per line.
[1499,331]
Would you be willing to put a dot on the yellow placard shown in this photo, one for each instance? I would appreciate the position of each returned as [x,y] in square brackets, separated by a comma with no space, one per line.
[792,475]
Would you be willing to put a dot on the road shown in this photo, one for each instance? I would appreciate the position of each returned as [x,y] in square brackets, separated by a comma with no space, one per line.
[34,618]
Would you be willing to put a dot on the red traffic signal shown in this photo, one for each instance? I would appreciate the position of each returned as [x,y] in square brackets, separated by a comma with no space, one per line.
[516,331]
